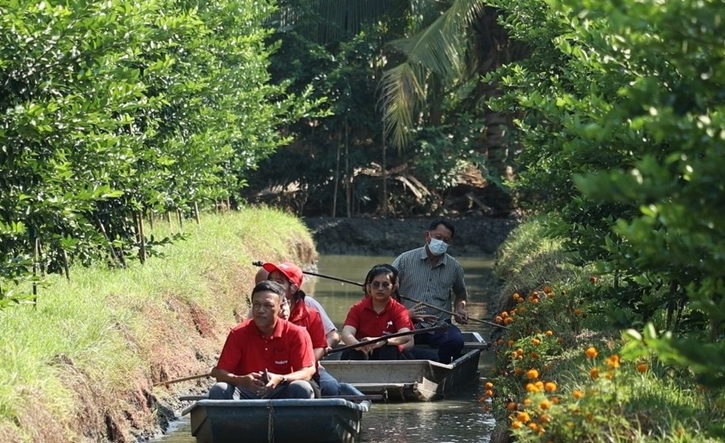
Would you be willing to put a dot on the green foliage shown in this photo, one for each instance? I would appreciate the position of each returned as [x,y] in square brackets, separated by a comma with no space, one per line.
[110,109]
[620,123]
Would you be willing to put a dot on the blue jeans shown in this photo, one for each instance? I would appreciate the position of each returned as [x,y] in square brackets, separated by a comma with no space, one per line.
[449,343]
[328,384]
[295,389]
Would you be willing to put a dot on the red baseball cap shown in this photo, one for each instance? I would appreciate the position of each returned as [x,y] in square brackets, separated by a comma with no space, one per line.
[290,270]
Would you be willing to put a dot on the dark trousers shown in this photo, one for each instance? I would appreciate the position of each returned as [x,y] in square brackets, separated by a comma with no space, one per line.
[295,389]
[387,352]
[449,343]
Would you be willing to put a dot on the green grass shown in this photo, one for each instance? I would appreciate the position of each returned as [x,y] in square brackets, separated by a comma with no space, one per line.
[108,333]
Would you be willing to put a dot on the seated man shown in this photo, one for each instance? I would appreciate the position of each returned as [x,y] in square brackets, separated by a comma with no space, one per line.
[290,276]
[265,356]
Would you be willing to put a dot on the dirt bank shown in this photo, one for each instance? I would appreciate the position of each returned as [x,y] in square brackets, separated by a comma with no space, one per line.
[474,236]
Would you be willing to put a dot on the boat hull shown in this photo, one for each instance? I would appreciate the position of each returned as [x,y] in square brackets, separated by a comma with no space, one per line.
[411,380]
[278,421]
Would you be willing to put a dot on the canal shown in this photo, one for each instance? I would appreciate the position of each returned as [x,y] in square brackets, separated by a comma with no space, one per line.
[457,419]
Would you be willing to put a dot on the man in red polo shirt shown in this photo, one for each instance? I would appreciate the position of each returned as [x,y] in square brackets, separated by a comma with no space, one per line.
[266,356]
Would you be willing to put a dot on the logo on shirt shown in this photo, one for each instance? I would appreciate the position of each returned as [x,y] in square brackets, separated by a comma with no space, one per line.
[281,362]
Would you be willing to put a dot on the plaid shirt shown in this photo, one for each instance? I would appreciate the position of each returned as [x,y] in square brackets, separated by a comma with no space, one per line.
[430,284]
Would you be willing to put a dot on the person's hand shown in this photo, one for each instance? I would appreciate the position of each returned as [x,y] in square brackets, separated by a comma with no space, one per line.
[418,314]
[461,315]
[251,382]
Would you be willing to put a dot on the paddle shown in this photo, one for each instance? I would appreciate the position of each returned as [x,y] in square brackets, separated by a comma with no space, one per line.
[386,337]
[178,380]
[371,397]
[329,277]
[453,313]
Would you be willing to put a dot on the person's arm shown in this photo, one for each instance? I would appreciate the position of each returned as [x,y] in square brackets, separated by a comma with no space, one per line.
[399,340]
[461,297]
[333,338]
[348,335]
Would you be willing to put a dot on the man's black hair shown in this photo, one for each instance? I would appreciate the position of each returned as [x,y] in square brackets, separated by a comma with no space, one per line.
[445,222]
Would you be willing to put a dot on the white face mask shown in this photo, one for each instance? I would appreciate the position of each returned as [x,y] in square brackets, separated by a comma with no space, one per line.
[437,247]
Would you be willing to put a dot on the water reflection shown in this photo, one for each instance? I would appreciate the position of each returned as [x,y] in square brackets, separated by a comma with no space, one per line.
[460,419]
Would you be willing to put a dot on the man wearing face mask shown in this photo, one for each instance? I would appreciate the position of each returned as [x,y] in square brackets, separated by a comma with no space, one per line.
[430,275]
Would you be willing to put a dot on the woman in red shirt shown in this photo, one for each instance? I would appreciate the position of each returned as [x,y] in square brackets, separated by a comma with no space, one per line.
[376,315]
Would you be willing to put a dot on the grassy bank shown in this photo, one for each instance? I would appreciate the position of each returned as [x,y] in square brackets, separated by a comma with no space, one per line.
[564,373]
[80,366]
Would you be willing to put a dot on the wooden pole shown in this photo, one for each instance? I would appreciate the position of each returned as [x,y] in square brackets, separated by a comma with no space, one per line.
[337,175]
[65,263]
[453,313]
[114,256]
[151,220]
[36,255]
[141,239]
[386,337]
[179,216]
[196,213]
[179,380]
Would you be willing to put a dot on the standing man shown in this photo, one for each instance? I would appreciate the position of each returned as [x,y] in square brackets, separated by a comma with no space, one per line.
[265,356]
[429,275]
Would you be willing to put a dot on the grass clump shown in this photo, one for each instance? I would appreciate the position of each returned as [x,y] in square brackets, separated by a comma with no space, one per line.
[564,373]
[81,364]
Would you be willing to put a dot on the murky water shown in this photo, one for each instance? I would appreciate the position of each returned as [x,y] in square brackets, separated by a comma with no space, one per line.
[459,419]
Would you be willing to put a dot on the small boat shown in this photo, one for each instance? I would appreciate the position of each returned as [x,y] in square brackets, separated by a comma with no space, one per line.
[324,420]
[411,380]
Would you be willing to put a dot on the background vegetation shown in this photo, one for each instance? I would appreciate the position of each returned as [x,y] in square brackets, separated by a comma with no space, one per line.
[81,364]
[111,111]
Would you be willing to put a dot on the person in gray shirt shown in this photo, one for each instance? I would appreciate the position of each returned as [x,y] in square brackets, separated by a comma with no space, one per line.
[430,275]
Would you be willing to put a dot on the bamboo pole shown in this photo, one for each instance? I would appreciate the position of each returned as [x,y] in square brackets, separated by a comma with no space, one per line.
[179,380]
[196,213]
[141,239]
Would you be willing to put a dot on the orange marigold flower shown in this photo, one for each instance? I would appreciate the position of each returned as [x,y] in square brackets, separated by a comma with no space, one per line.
[518,371]
[577,312]
[516,424]
[530,387]
[591,352]
[549,333]
[527,401]
[613,361]
[535,300]
[550,386]
[534,355]
[508,320]
[511,342]
[520,351]
[516,296]
[545,404]
[547,290]
[642,367]
[512,406]
[489,385]
[577,394]
[544,418]
[523,417]
[498,319]
[594,373]
[489,393]
[532,374]
[535,341]
[504,314]
[608,375]
[533,426]
[540,385]
[555,400]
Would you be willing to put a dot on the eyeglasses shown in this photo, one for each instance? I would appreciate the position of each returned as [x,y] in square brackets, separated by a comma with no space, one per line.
[383,285]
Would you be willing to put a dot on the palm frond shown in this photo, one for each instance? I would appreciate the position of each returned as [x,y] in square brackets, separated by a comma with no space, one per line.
[442,49]
[402,90]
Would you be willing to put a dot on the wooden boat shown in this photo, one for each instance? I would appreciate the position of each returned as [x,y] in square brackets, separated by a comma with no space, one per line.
[411,380]
[326,420]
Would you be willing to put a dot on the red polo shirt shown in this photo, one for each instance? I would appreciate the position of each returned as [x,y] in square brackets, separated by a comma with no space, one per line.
[310,319]
[369,323]
[246,350]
